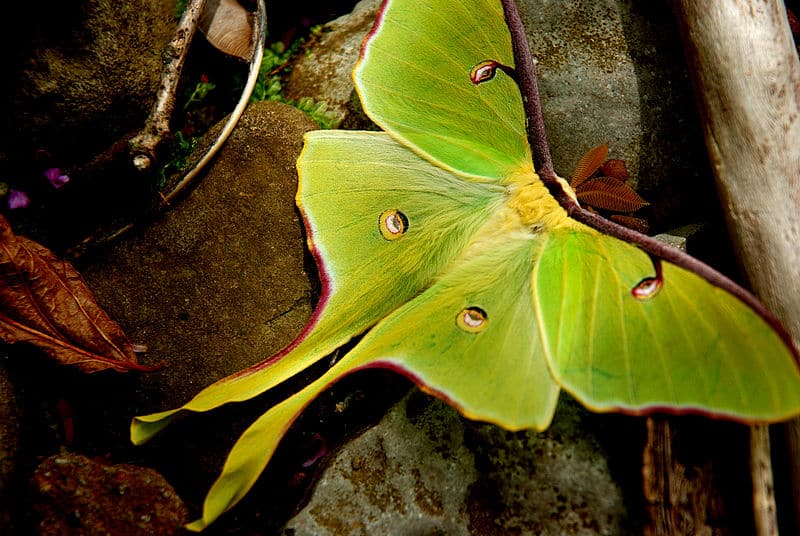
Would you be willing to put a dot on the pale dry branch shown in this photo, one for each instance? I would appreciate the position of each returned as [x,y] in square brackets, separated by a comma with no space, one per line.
[143,146]
[747,80]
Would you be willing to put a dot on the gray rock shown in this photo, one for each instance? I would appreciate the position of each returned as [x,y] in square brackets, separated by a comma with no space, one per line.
[410,474]
[219,282]
[678,238]
[614,71]
[425,470]
[553,483]
[325,73]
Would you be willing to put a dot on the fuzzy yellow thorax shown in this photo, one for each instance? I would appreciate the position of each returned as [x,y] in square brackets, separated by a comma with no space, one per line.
[534,204]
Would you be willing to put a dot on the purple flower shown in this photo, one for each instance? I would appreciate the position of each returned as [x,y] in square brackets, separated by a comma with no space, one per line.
[17,199]
[56,178]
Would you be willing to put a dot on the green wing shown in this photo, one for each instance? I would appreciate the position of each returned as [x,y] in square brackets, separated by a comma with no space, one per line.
[252,451]
[492,368]
[414,81]
[494,371]
[349,181]
[692,347]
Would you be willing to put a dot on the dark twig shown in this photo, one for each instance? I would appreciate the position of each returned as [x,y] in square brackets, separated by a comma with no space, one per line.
[529,86]
[143,146]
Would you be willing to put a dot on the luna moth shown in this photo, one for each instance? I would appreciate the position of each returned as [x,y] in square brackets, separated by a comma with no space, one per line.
[450,244]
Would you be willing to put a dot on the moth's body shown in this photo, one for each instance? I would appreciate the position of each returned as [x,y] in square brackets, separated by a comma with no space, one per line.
[527,211]
[534,204]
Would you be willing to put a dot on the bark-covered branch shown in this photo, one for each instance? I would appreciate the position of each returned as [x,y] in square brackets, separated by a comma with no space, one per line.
[143,146]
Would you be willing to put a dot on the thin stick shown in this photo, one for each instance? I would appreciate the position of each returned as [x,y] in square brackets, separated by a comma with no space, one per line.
[257,51]
[764,511]
[143,146]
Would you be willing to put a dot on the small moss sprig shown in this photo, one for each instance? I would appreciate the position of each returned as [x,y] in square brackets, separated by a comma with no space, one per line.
[180,7]
[200,91]
[276,65]
[179,151]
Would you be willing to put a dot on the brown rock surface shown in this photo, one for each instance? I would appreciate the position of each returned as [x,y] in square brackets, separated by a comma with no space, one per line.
[9,444]
[79,496]
[219,282]
[89,71]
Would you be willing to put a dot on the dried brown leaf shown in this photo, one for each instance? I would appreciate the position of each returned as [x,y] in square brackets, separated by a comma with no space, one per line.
[588,164]
[610,194]
[45,302]
[615,168]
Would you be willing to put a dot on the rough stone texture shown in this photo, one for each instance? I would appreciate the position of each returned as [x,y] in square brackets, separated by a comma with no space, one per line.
[679,238]
[425,470]
[89,73]
[325,73]
[614,71]
[410,474]
[587,78]
[218,283]
[76,495]
[553,483]
[9,439]
[9,429]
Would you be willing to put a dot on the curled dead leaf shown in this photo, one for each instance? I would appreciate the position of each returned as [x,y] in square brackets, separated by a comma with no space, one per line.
[615,168]
[631,222]
[610,194]
[45,302]
[609,191]
[228,26]
[588,164]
